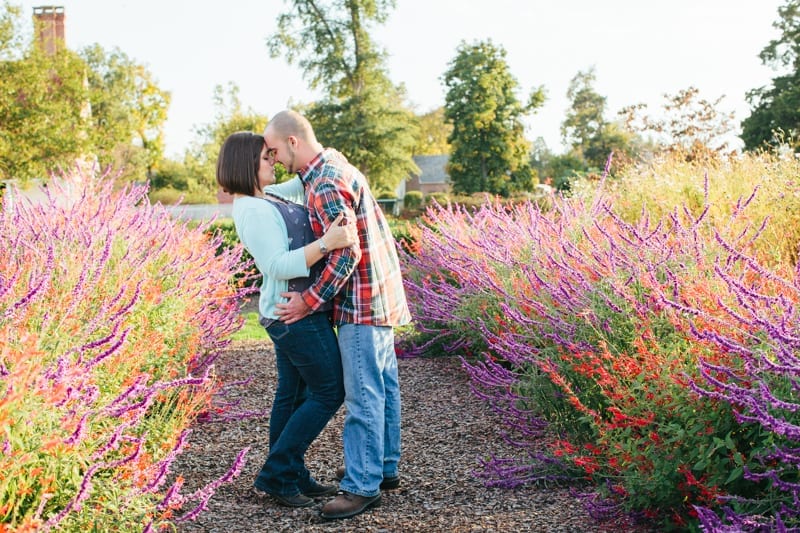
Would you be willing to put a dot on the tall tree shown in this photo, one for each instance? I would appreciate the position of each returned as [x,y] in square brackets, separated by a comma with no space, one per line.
[775,115]
[128,112]
[57,110]
[41,125]
[10,34]
[585,117]
[489,149]
[592,138]
[362,111]
[370,132]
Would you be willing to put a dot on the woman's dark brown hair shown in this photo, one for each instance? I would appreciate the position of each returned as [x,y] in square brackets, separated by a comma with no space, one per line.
[238,162]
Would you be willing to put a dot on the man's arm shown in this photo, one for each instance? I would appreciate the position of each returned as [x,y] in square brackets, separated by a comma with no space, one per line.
[331,197]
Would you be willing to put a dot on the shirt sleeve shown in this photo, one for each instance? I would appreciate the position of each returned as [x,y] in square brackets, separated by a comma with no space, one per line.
[291,190]
[263,232]
[331,197]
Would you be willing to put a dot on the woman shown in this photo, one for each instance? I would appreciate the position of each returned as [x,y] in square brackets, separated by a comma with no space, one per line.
[310,386]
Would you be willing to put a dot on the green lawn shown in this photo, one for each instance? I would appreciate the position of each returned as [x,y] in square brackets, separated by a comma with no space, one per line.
[252,330]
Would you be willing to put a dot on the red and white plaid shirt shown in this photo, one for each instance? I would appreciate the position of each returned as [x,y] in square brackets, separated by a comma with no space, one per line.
[366,285]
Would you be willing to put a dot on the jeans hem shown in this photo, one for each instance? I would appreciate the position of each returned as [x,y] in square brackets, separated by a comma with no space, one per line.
[359,492]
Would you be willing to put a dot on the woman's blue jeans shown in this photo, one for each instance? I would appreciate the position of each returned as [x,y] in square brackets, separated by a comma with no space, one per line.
[310,391]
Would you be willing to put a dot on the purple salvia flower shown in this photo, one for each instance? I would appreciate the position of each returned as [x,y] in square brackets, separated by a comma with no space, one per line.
[205,494]
[162,467]
[129,305]
[172,497]
[42,283]
[79,432]
[113,442]
[133,389]
[113,348]
[74,503]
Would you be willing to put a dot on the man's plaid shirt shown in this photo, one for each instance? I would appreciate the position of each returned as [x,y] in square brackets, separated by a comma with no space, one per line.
[366,284]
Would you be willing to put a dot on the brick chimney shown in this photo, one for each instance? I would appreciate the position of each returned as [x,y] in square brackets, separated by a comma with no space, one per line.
[48,22]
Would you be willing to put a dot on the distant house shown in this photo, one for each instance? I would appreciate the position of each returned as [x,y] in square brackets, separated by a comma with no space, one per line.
[432,176]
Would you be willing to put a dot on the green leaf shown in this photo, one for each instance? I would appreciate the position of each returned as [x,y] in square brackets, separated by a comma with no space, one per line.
[735,474]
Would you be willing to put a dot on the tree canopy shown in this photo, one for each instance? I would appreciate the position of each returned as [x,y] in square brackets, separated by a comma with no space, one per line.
[201,157]
[688,124]
[591,137]
[489,149]
[128,111]
[362,113]
[67,108]
[41,124]
[775,115]
[434,131]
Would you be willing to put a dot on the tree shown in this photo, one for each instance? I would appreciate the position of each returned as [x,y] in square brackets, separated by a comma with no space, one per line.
[200,159]
[61,109]
[592,138]
[585,118]
[41,125]
[489,150]
[128,111]
[370,132]
[10,34]
[688,124]
[362,111]
[775,115]
[433,133]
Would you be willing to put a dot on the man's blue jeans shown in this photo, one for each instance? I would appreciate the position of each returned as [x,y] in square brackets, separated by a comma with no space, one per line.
[310,391]
[372,400]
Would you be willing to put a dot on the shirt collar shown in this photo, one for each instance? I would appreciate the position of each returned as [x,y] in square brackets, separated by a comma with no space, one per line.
[305,172]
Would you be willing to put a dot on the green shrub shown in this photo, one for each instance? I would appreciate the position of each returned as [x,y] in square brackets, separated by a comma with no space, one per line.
[170,196]
[413,200]
[441,198]
[384,194]
[227,230]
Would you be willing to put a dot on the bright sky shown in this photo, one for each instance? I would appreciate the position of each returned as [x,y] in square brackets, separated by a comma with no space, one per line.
[640,49]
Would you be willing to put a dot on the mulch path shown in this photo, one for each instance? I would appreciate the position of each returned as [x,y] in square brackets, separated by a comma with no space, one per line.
[445,431]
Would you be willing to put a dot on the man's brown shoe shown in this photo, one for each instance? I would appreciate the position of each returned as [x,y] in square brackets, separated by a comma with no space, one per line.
[388,483]
[345,505]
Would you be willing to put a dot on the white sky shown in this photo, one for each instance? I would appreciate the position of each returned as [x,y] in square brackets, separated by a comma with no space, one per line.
[641,49]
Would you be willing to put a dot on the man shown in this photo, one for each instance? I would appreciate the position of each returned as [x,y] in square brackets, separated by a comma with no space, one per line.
[366,286]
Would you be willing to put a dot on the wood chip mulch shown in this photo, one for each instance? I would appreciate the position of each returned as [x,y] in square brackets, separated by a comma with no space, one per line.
[445,431]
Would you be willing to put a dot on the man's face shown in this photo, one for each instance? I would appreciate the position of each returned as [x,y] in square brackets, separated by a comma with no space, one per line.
[280,150]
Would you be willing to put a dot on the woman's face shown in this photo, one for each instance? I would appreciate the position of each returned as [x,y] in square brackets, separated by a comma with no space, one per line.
[266,171]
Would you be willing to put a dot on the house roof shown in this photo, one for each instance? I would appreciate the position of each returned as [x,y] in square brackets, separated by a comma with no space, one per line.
[432,168]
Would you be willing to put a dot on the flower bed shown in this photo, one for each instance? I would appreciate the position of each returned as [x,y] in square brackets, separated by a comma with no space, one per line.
[111,314]
[660,355]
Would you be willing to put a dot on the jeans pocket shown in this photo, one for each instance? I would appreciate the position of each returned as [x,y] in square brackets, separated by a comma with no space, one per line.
[277,330]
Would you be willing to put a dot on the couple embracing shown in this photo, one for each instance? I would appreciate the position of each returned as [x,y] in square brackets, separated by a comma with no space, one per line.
[328,260]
